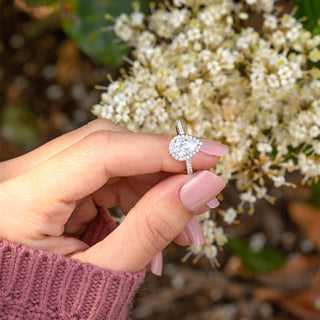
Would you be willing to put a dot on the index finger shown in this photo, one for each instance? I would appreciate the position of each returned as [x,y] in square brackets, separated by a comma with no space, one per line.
[21,164]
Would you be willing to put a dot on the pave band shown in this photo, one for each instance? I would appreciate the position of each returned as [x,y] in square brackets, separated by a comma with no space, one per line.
[183,147]
[189,166]
[179,127]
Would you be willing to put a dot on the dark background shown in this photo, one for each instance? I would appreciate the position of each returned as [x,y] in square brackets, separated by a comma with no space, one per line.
[47,88]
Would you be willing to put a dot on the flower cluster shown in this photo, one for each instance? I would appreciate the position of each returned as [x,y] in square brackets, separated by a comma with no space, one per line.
[258,91]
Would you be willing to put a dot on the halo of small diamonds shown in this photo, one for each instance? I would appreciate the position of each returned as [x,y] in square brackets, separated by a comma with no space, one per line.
[184,147]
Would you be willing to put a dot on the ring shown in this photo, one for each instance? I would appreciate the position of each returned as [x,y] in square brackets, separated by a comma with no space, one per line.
[183,147]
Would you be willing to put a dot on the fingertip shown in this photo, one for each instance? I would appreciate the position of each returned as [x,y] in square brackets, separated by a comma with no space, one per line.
[156,264]
[183,239]
[194,232]
[214,148]
[213,203]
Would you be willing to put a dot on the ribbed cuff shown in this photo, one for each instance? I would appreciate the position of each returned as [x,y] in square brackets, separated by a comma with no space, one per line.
[35,284]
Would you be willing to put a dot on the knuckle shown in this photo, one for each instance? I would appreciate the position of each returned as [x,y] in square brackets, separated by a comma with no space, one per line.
[96,146]
[96,141]
[99,124]
[159,231]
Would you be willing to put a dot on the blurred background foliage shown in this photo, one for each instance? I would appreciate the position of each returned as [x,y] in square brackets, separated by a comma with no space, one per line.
[52,54]
[87,39]
[87,24]
[310,10]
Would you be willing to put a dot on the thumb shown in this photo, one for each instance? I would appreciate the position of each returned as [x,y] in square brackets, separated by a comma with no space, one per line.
[157,219]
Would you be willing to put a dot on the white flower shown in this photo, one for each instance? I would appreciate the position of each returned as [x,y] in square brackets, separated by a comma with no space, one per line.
[230,215]
[220,237]
[255,90]
[211,251]
[273,81]
[122,29]
[293,33]
[264,147]
[122,113]
[314,131]
[278,181]
[137,18]
[251,2]
[316,147]
[146,39]
[288,21]
[279,38]
[270,22]
[314,55]
[96,109]
[213,67]
[248,197]
[193,34]
[178,3]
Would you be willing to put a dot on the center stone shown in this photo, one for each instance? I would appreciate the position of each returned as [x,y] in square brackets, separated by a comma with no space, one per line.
[183,147]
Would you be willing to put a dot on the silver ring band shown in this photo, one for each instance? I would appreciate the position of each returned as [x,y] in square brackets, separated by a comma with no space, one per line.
[189,166]
[179,127]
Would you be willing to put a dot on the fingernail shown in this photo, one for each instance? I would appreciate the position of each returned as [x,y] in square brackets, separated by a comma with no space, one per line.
[194,232]
[214,148]
[200,190]
[213,203]
[156,264]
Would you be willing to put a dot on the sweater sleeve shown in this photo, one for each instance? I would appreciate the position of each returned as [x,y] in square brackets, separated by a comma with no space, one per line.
[36,284]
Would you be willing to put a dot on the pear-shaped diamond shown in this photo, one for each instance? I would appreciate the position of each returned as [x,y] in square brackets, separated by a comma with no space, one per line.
[183,147]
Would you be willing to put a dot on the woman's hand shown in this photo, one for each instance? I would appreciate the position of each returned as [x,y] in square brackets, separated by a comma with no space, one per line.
[50,195]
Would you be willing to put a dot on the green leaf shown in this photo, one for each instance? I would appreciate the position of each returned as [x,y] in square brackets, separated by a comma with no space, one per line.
[311,10]
[259,262]
[86,23]
[18,125]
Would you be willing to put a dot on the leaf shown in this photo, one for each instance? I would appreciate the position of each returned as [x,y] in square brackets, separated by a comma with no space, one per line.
[259,262]
[18,125]
[86,23]
[311,10]
[38,3]
[308,219]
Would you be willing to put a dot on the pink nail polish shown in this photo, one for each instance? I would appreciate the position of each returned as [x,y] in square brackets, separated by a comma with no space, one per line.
[202,188]
[214,148]
[194,232]
[156,264]
[213,203]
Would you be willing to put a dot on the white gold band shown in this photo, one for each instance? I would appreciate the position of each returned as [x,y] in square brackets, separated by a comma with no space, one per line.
[179,127]
[189,166]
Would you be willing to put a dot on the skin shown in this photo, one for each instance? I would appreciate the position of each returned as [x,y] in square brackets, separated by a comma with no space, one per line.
[50,195]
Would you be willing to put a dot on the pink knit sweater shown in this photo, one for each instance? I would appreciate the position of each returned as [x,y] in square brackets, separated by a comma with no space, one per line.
[36,284]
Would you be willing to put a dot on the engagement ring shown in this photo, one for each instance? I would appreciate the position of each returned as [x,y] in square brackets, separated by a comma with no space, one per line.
[183,147]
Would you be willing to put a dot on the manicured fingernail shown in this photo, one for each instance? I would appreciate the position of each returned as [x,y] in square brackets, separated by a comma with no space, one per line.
[194,232]
[213,203]
[156,264]
[201,189]
[214,148]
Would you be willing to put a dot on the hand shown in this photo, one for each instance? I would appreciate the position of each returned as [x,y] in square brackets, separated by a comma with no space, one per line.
[49,196]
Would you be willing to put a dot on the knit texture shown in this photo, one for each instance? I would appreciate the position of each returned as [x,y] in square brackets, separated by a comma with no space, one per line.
[36,284]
